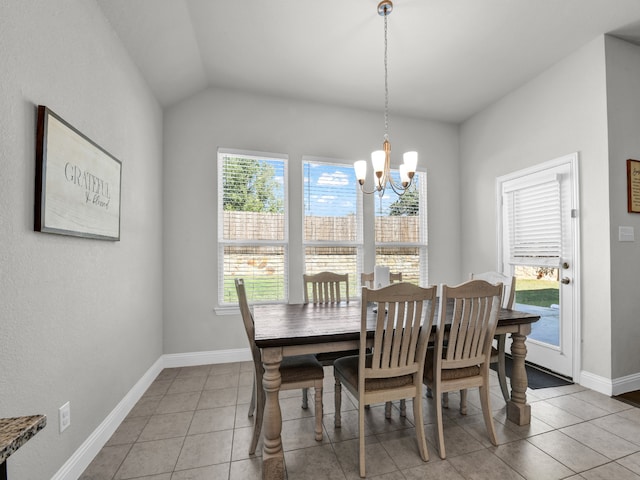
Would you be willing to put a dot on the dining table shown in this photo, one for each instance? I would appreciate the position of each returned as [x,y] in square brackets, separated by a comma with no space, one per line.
[283,330]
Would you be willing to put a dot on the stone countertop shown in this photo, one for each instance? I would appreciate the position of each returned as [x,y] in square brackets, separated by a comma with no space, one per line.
[15,432]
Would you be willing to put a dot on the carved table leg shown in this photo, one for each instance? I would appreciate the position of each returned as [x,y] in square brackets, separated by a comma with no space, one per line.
[518,411]
[272,454]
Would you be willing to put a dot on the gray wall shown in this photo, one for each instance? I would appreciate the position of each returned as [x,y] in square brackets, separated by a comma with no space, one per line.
[623,101]
[195,128]
[559,112]
[81,320]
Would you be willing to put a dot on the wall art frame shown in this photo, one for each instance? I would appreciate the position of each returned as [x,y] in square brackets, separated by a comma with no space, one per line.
[78,183]
[633,186]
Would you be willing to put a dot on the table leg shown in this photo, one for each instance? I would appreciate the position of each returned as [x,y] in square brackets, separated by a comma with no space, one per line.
[518,411]
[272,454]
[3,470]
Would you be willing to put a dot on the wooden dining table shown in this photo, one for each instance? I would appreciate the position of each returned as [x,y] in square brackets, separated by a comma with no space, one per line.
[285,329]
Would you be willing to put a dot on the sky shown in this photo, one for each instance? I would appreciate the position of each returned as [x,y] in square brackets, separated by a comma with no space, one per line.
[333,190]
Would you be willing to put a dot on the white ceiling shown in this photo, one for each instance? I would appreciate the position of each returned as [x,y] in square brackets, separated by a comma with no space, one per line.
[447,58]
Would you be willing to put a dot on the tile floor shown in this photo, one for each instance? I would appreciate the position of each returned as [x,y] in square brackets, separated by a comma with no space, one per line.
[192,424]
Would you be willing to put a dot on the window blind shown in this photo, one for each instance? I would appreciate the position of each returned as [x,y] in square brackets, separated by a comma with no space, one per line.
[332,219]
[401,230]
[252,226]
[534,223]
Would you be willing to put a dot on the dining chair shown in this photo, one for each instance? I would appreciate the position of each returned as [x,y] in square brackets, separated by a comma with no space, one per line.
[461,360]
[300,371]
[508,296]
[366,279]
[326,287]
[393,368]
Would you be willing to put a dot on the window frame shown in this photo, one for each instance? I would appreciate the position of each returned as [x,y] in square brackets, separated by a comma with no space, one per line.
[422,244]
[222,307]
[358,243]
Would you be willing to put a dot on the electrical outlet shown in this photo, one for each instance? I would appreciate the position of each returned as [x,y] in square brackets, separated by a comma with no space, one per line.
[64,415]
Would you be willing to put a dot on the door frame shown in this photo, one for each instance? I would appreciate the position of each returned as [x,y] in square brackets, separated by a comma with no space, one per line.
[572,160]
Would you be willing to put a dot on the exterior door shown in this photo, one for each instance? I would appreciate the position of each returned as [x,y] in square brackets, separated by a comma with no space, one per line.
[539,246]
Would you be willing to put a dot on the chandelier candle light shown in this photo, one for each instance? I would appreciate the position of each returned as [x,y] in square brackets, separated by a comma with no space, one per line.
[381,159]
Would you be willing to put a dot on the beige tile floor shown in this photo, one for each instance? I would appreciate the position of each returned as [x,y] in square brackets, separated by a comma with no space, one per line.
[192,424]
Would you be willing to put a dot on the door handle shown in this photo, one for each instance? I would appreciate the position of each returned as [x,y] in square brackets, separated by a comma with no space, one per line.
[566,280]
[565,265]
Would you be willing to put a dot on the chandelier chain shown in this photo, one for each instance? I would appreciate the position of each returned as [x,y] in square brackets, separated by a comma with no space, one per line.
[386,84]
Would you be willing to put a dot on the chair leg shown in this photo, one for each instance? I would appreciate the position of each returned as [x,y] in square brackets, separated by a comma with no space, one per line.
[403,408]
[486,413]
[463,402]
[438,398]
[419,421]
[337,395]
[429,393]
[362,454]
[318,393]
[257,419]
[502,373]
[445,400]
[252,404]
[305,398]
[387,410]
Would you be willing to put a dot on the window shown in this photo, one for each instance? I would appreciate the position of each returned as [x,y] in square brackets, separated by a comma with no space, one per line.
[332,219]
[401,230]
[252,226]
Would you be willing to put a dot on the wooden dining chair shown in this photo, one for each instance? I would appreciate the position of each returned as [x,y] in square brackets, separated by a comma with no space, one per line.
[366,279]
[461,361]
[508,296]
[393,370]
[326,287]
[300,371]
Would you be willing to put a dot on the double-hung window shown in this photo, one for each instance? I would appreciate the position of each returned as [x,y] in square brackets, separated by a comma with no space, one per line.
[332,219]
[252,226]
[401,230]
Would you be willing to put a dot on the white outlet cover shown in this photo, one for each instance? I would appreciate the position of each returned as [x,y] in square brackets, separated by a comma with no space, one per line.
[64,416]
[626,234]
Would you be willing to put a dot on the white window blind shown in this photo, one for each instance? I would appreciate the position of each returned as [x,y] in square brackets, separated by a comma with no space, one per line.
[332,219]
[252,226]
[401,231]
[534,224]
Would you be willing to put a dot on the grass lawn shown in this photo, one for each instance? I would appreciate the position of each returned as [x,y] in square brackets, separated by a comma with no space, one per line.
[542,293]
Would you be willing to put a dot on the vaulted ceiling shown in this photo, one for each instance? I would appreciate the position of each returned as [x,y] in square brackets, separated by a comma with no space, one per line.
[448,59]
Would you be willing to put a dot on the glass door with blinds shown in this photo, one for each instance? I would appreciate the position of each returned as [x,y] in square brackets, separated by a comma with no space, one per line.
[539,247]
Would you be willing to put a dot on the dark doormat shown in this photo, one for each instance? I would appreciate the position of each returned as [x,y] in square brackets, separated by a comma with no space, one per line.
[538,378]
[632,398]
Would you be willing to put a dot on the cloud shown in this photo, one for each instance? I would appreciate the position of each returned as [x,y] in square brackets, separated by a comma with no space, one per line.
[333,179]
[326,199]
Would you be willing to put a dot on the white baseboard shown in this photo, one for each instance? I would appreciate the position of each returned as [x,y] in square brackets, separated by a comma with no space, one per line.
[626,384]
[173,360]
[82,457]
[596,382]
[608,386]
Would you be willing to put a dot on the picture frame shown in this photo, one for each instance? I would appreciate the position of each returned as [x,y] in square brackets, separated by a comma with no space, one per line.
[633,186]
[78,183]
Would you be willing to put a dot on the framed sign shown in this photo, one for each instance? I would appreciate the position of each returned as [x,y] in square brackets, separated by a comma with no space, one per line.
[633,186]
[77,182]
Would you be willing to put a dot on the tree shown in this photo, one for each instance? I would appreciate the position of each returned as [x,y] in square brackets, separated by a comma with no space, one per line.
[407,204]
[250,185]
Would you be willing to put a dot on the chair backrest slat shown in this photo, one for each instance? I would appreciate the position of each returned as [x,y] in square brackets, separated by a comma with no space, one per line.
[326,287]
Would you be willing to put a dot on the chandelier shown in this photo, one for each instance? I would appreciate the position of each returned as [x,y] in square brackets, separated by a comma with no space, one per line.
[381,159]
